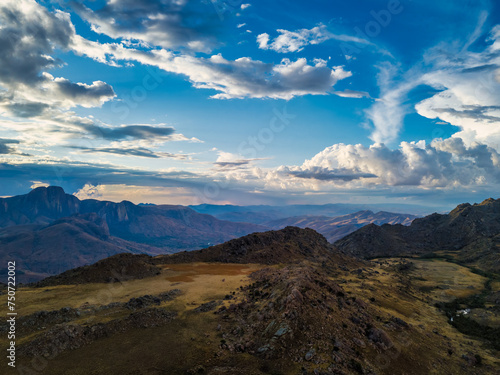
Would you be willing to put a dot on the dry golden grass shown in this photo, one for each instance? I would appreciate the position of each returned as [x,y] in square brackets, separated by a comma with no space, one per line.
[188,341]
[452,280]
[192,339]
[199,282]
[392,297]
[495,286]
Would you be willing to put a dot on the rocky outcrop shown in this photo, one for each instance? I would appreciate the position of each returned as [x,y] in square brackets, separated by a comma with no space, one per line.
[291,244]
[73,336]
[472,232]
[301,314]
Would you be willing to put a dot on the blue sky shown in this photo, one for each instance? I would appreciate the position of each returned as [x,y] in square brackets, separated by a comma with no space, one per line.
[252,102]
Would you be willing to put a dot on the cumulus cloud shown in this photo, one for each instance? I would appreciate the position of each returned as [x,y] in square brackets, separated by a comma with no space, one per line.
[88,191]
[240,78]
[294,41]
[172,24]
[441,164]
[28,38]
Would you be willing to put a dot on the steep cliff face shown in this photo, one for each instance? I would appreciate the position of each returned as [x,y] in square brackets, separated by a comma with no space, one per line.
[48,231]
[40,206]
[170,226]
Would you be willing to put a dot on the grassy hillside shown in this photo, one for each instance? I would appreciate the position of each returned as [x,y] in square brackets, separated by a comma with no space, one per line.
[256,319]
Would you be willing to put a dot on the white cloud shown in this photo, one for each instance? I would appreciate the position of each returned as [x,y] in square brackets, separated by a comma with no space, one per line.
[37,184]
[172,24]
[442,164]
[389,110]
[28,37]
[229,161]
[294,41]
[469,94]
[468,97]
[263,40]
[245,6]
[240,78]
[352,94]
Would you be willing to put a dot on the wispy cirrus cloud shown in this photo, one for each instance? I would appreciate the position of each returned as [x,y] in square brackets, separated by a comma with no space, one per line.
[295,41]
[136,151]
[465,84]
[469,90]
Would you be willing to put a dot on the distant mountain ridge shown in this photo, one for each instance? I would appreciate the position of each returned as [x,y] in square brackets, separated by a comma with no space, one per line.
[263,213]
[334,228]
[48,231]
[471,233]
[157,225]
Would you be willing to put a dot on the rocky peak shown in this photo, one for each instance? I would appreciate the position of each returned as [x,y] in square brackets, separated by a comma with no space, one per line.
[272,247]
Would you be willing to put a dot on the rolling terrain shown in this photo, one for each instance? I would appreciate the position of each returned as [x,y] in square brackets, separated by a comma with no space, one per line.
[279,302]
[334,228]
[469,234]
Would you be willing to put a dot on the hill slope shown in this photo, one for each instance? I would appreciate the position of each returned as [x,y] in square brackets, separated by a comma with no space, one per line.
[290,244]
[334,228]
[40,251]
[308,310]
[470,233]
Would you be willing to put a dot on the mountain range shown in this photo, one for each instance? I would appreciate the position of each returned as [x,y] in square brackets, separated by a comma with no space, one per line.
[469,234]
[48,231]
[334,228]
[263,213]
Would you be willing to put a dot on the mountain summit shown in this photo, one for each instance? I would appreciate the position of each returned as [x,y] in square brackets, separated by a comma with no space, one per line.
[48,231]
[469,233]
